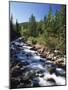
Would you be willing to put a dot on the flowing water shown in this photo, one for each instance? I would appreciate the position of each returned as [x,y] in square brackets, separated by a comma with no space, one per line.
[46,73]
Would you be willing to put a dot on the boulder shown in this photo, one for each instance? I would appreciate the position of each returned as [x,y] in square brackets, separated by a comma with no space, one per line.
[51,80]
[59,61]
[54,58]
[45,53]
[50,56]
[38,46]
[60,72]
[57,52]
[39,73]
[52,68]
[33,48]
[27,74]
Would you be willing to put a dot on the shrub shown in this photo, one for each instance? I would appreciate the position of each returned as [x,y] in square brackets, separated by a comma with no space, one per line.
[33,40]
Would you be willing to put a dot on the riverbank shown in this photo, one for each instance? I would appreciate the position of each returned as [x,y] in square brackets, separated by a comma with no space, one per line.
[50,54]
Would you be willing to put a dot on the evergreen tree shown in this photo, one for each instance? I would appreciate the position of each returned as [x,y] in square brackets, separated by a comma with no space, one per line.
[39,28]
[17,28]
[50,21]
[12,30]
[32,26]
[62,30]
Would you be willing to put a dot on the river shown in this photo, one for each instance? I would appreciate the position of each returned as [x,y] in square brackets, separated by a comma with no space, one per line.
[46,72]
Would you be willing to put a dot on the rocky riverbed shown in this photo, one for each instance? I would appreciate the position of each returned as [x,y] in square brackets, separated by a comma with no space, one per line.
[33,66]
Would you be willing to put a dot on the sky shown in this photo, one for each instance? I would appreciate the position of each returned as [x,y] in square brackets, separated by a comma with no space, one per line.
[22,11]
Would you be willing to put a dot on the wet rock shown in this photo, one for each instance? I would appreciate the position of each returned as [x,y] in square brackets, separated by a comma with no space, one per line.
[60,62]
[33,48]
[57,52]
[27,74]
[28,55]
[42,75]
[39,73]
[28,84]
[60,72]
[20,65]
[14,83]
[16,72]
[45,54]
[42,61]
[41,50]
[21,85]
[21,39]
[15,68]
[20,76]
[25,84]
[14,62]
[25,63]
[52,68]
[50,56]
[54,58]
[35,82]
[51,80]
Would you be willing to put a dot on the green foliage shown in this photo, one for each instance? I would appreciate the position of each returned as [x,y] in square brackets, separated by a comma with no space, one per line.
[18,28]
[39,28]
[24,32]
[50,31]
[32,26]
[33,40]
[15,29]
[12,29]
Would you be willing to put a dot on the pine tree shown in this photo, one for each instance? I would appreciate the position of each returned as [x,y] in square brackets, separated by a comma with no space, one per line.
[32,26]
[50,21]
[12,30]
[17,28]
